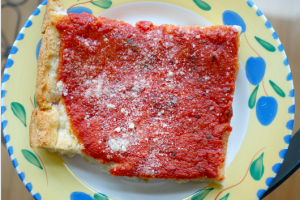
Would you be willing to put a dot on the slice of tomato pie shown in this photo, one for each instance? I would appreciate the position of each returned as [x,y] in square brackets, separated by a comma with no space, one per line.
[145,101]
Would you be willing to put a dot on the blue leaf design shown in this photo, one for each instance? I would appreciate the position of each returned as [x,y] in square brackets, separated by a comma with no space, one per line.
[4,123]
[15,163]
[36,12]
[6,138]
[287,139]
[269,181]
[14,50]
[292,93]
[9,63]
[258,12]
[3,109]
[3,93]
[276,167]
[291,109]
[22,176]
[275,36]
[260,193]
[280,48]
[290,124]
[10,150]
[266,110]
[20,36]
[286,62]
[232,18]
[250,3]
[5,78]
[28,23]
[255,69]
[80,196]
[289,77]
[282,153]
[44,3]
[268,25]
[79,10]
[29,187]
[37,196]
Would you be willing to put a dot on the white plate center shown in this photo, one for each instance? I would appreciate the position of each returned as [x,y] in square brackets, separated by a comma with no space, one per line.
[123,188]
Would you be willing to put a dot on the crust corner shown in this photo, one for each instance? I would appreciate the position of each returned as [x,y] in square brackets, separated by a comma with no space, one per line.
[43,128]
[53,6]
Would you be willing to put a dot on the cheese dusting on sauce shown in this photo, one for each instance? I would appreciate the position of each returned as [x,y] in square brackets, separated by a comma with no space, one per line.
[146,97]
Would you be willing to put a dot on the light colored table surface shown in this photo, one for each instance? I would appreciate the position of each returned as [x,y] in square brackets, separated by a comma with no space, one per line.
[284,17]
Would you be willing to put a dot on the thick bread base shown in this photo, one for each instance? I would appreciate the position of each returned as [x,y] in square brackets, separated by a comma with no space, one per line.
[48,61]
[50,126]
[51,129]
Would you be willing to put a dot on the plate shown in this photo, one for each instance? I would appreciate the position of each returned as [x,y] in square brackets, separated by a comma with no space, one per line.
[263,107]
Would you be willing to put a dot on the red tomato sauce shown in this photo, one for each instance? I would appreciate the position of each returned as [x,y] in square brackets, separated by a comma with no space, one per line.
[155,100]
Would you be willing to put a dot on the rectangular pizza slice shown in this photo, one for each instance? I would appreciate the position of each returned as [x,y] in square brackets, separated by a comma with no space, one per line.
[145,101]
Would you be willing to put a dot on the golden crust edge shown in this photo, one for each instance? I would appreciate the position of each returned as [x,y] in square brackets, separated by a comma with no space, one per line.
[45,134]
[51,129]
[54,6]
[49,56]
[42,128]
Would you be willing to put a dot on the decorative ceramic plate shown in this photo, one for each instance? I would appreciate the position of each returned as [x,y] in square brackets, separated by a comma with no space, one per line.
[263,107]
